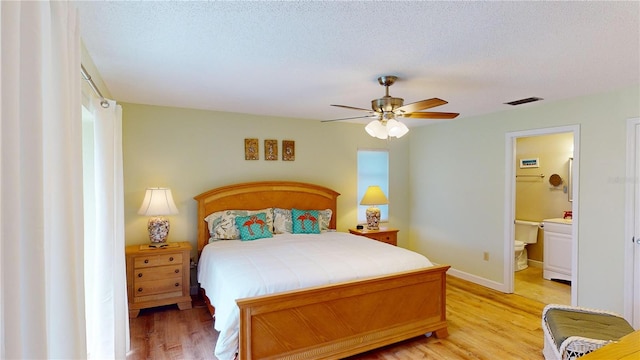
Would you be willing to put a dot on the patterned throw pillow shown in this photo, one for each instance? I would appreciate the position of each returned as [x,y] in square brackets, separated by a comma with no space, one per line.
[325,218]
[305,221]
[282,223]
[253,227]
[222,224]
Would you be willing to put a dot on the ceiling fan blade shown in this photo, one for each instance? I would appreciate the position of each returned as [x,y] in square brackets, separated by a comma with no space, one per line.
[421,105]
[350,118]
[431,115]
[352,108]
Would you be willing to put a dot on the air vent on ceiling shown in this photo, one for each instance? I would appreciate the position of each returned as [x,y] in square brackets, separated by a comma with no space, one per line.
[524,101]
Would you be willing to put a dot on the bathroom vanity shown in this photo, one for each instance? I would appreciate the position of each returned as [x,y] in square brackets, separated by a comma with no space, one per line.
[557,249]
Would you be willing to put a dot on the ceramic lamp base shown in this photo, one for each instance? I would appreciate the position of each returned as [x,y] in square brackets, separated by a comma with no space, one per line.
[373,218]
[158,227]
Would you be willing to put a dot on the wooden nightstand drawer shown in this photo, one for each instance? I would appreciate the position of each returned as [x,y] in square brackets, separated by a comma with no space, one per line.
[161,272]
[386,235]
[157,260]
[153,287]
[157,277]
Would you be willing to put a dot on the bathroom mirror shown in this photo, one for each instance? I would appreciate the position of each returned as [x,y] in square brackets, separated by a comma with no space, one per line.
[570,181]
[555,180]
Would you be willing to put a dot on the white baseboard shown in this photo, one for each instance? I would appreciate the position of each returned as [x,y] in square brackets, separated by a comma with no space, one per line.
[477,280]
[535,263]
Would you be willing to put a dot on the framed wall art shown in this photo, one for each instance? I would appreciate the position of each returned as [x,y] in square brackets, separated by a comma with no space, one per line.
[529,163]
[251,150]
[288,150]
[271,149]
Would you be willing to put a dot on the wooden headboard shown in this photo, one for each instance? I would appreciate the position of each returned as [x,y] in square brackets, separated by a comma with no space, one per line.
[261,195]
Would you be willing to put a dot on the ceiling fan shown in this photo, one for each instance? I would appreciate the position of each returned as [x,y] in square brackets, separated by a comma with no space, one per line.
[386,110]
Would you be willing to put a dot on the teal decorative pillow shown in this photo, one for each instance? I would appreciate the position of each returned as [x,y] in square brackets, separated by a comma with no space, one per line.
[253,227]
[282,221]
[222,224]
[305,221]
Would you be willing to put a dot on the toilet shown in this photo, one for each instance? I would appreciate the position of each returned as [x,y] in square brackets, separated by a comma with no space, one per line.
[526,232]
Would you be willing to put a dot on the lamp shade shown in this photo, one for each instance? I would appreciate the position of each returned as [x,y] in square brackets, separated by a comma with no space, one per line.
[376,129]
[374,196]
[386,128]
[396,128]
[158,202]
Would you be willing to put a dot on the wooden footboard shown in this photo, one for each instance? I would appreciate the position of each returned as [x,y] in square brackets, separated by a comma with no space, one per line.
[335,321]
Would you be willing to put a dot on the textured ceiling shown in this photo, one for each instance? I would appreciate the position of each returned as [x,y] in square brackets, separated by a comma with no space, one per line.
[294,59]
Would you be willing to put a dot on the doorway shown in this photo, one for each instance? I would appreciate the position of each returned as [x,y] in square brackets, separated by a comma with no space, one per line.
[532,171]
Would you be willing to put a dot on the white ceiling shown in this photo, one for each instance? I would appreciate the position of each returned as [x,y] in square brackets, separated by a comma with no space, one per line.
[295,58]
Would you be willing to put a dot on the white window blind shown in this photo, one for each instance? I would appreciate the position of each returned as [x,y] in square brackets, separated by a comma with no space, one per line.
[373,169]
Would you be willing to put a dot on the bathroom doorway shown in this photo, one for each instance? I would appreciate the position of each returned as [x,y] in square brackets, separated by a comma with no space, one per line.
[541,166]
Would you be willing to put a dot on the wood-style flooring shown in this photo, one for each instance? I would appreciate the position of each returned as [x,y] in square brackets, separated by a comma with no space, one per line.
[530,284]
[483,324]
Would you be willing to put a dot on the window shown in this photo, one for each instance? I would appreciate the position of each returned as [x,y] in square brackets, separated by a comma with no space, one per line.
[373,169]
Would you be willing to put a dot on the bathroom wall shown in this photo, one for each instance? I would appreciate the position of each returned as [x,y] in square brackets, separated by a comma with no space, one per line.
[536,199]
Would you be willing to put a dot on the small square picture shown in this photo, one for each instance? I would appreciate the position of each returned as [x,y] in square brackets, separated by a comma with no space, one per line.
[288,150]
[529,163]
[251,149]
[271,149]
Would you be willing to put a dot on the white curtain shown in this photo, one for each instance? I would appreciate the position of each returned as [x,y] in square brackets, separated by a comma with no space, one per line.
[41,214]
[105,282]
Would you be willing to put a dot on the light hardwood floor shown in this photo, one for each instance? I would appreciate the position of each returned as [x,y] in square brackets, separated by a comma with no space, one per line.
[483,324]
[530,284]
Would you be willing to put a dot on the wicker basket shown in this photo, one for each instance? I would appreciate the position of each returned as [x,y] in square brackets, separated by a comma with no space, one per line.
[574,346]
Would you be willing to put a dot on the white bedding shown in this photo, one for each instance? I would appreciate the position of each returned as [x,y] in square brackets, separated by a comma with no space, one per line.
[234,269]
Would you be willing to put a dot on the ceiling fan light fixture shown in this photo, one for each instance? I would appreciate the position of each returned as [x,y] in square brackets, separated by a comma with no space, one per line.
[392,124]
[389,109]
[396,129]
[383,129]
[376,129]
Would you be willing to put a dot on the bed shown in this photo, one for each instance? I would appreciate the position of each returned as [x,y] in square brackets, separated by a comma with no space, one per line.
[324,321]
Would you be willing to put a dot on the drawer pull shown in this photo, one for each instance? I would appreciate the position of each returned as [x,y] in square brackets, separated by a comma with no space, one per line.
[177,284]
[139,289]
[146,261]
[171,258]
[139,274]
[177,271]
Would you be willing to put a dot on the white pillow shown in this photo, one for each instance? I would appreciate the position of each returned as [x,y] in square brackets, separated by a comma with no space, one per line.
[222,224]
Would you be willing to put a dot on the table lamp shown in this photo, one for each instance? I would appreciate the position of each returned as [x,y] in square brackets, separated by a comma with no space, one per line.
[373,196]
[158,202]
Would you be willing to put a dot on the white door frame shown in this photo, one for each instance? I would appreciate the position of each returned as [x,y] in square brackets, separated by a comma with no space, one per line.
[632,225]
[510,200]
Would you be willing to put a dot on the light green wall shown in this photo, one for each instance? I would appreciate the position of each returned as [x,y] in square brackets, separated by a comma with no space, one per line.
[457,187]
[191,151]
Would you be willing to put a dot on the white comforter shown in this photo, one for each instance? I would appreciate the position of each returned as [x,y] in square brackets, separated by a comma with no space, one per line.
[234,269]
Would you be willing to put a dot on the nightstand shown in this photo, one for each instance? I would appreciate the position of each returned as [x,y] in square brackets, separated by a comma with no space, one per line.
[157,277]
[386,235]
